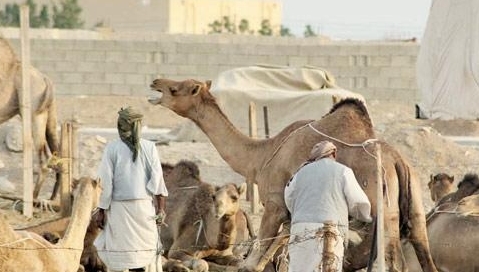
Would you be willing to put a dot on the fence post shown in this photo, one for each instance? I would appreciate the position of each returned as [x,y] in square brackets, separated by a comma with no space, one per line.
[252,189]
[26,112]
[66,169]
[329,260]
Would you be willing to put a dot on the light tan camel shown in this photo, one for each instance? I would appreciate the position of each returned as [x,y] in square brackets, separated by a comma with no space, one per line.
[44,113]
[28,251]
[453,232]
[201,219]
[455,212]
[440,185]
[271,162]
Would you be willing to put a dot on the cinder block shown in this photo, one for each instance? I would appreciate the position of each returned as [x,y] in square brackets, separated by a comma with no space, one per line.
[114,78]
[96,56]
[72,78]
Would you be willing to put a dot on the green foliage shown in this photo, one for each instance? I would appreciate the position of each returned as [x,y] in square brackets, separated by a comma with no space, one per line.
[266,29]
[285,32]
[216,27]
[40,20]
[10,16]
[68,16]
[65,16]
[308,32]
[223,26]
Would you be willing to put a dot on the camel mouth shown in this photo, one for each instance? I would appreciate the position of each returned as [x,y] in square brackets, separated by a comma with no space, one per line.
[155,100]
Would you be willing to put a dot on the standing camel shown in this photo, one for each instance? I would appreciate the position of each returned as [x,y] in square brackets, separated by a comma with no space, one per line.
[44,111]
[28,251]
[271,162]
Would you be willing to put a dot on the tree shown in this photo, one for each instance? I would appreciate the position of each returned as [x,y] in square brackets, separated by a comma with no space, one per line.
[40,20]
[243,26]
[228,26]
[216,27]
[285,32]
[265,28]
[11,15]
[68,16]
[308,32]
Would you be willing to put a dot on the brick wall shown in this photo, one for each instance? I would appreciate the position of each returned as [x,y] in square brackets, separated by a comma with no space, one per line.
[94,63]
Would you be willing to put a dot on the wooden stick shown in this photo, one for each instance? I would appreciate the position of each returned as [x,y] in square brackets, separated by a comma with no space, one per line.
[26,112]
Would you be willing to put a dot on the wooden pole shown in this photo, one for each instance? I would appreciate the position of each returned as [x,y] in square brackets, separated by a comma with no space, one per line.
[26,112]
[380,211]
[65,174]
[329,261]
[252,189]
[266,122]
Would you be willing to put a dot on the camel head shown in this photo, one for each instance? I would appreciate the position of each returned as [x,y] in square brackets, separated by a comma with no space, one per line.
[182,97]
[440,185]
[81,185]
[226,199]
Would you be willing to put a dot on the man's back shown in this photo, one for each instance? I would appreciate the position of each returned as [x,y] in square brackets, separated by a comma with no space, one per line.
[318,193]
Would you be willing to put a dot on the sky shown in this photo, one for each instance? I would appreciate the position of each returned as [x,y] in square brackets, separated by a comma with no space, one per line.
[357,19]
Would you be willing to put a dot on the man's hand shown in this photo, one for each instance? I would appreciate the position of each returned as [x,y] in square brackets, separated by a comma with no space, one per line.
[99,218]
[160,218]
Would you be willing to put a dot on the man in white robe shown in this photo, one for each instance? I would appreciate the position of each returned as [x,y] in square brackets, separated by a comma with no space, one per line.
[321,190]
[132,199]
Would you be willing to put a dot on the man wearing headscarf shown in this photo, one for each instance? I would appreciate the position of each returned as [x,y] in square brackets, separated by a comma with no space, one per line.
[132,201]
[321,190]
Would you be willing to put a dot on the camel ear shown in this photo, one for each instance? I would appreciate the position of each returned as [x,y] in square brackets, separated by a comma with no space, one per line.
[196,89]
[241,188]
[452,179]
[431,177]
[208,84]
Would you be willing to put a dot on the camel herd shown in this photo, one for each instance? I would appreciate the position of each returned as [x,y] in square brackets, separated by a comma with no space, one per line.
[206,228]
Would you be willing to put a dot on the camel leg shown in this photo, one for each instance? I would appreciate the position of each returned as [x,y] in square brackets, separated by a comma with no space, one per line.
[275,213]
[393,246]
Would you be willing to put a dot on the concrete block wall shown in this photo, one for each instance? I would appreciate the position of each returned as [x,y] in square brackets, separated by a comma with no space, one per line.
[126,64]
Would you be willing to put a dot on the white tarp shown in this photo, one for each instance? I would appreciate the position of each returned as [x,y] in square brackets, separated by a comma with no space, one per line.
[289,93]
[448,61]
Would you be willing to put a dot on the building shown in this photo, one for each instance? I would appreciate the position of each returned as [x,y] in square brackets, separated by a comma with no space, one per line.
[175,16]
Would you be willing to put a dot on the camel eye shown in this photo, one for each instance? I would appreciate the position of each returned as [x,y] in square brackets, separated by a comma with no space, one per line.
[213,197]
[173,91]
[234,198]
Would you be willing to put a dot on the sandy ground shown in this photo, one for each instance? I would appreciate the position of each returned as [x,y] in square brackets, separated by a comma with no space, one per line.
[422,142]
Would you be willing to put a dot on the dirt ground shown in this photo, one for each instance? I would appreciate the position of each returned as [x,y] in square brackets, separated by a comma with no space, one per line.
[420,141]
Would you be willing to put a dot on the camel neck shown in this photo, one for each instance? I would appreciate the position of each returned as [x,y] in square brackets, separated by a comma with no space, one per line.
[243,153]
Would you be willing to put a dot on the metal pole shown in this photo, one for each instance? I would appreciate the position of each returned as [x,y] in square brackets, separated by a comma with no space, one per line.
[26,111]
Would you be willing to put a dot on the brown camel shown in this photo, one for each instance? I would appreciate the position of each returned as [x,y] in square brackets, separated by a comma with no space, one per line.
[28,251]
[44,115]
[469,185]
[201,219]
[440,185]
[271,162]
[452,232]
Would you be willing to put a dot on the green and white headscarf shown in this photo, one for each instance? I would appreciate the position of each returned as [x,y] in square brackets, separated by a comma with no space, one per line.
[129,123]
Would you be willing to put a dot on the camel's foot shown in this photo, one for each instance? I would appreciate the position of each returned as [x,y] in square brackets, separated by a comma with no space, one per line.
[46,205]
[229,260]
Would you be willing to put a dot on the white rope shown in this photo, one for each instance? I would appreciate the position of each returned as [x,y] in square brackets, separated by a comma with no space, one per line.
[200,228]
[23,240]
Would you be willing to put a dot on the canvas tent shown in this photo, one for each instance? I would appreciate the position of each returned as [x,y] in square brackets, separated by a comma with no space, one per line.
[289,93]
[448,61]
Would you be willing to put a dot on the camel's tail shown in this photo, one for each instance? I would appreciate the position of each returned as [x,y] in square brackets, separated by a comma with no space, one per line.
[412,216]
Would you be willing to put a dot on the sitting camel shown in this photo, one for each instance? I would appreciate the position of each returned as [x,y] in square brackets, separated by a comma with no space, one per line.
[271,162]
[440,185]
[202,219]
[453,213]
[44,111]
[28,251]
[469,185]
